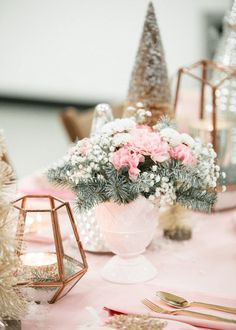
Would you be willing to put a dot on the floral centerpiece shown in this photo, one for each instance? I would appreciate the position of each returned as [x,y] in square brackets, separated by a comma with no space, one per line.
[129,159]
[127,171]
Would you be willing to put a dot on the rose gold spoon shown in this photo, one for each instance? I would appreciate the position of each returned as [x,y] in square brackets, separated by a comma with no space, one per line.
[179,302]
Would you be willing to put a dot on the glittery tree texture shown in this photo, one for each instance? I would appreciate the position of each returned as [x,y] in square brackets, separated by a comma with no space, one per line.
[225,97]
[12,304]
[230,18]
[227,46]
[226,53]
[149,81]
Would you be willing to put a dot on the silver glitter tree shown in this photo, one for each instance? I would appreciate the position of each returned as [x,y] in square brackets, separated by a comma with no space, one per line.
[225,97]
[102,115]
[226,50]
[149,80]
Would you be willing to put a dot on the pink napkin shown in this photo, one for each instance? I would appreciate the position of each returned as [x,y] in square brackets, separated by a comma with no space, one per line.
[133,305]
[171,325]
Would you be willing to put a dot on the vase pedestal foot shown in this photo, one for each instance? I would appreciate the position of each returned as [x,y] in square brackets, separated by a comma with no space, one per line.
[128,270]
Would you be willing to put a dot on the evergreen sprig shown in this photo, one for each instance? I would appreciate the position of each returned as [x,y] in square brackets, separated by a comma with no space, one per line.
[196,199]
[89,193]
[120,189]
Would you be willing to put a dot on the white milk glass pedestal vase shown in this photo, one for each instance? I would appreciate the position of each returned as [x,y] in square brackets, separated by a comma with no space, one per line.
[128,229]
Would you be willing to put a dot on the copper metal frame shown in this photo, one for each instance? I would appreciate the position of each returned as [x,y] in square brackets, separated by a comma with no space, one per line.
[63,282]
[205,65]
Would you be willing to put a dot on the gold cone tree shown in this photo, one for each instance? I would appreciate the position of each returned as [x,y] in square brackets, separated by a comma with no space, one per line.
[149,83]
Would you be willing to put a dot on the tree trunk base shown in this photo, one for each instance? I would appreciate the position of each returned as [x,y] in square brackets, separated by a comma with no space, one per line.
[11,325]
[182,233]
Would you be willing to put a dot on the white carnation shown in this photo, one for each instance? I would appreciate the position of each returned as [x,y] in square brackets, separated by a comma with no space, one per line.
[121,139]
[197,149]
[171,135]
[187,139]
[118,126]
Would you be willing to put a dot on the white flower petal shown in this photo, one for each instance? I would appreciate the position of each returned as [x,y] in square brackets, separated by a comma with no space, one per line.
[171,135]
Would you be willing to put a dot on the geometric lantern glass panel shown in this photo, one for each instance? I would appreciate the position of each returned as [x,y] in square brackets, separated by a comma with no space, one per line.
[48,245]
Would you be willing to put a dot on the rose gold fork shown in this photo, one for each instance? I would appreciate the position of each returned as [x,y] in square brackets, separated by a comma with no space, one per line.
[157,309]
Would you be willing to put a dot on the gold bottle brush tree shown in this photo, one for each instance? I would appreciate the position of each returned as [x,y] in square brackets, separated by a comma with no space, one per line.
[149,84]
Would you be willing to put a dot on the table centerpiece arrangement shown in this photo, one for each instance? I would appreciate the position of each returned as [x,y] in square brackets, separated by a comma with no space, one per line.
[127,172]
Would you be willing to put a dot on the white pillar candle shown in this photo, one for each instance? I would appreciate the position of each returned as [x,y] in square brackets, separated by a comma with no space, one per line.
[38,259]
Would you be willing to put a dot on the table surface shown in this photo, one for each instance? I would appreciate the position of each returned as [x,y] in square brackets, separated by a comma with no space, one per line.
[205,265]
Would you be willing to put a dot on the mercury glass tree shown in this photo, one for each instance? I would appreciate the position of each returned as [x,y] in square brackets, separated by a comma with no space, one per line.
[226,93]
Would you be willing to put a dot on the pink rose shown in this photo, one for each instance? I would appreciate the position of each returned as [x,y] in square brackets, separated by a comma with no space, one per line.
[183,153]
[83,146]
[149,143]
[125,157]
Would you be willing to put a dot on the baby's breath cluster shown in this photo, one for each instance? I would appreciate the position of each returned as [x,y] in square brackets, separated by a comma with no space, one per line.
[207,169]
[86,166]
[138,112]
[156,188]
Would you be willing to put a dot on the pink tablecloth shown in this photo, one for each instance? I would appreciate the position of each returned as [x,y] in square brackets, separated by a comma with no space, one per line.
[205,264]
[203,268]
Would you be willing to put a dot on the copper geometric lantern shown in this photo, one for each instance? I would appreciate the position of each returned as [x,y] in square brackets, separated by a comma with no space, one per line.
[203,72]
[48,245]
[206,66]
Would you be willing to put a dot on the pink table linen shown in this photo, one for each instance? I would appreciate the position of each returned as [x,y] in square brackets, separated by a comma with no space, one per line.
[203,268]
